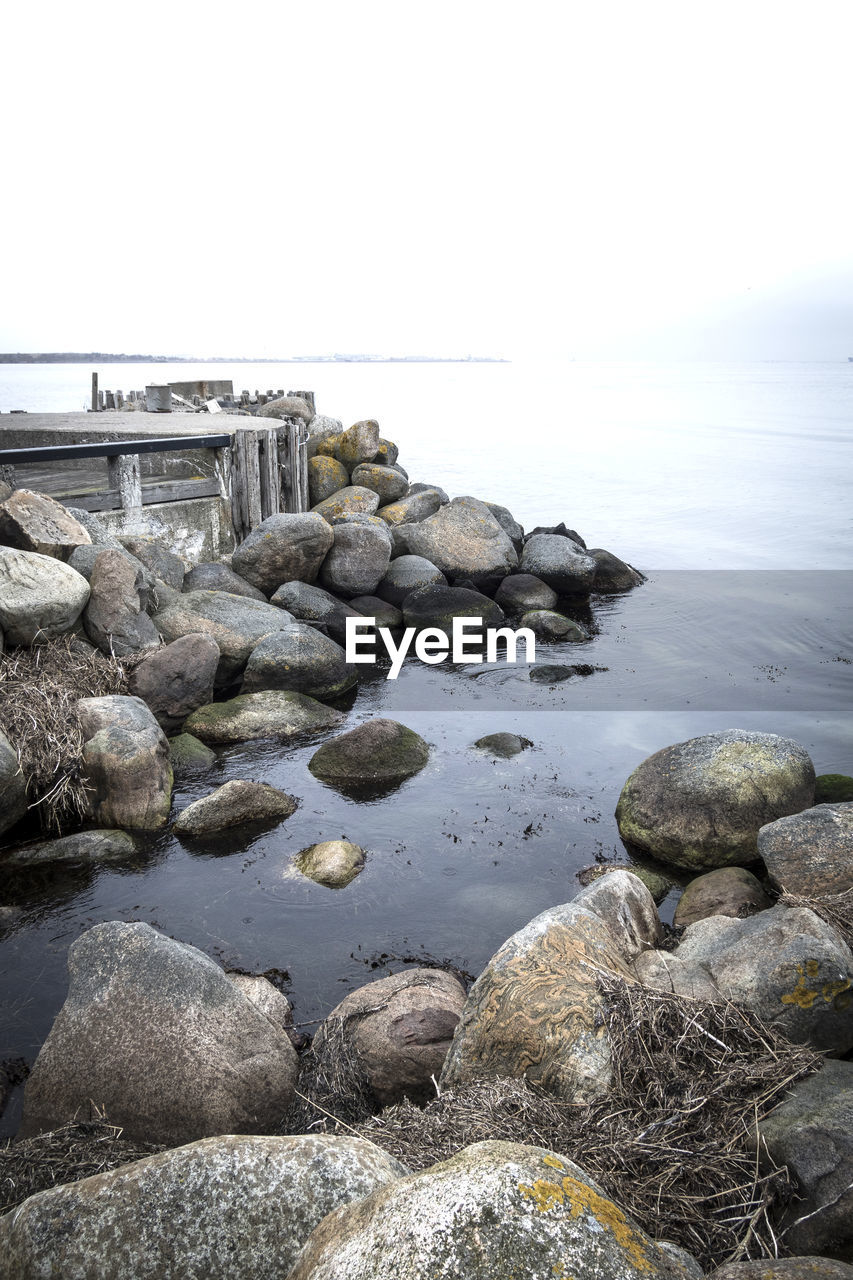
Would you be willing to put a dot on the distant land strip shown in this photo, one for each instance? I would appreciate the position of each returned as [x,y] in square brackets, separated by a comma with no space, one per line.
[111,357]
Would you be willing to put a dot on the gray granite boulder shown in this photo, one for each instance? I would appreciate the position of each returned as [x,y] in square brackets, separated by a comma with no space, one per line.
[159,560]
[546,624]
[334,863]
[287,407]
[378,753]
[522,592]
[612,574]
[310,603]
[700,804]
[349,501]
[299,658]
[326,476]
[178,679]
[40,597]
[665,971]
[406,574]
[233,804]
[83,560]
[234,622]
[728,891]
[357,560]
[13,786]
[438,606]
[153,1032]
[810,853]
[274,713]
[212,575]
[384,614]
[385,481]
[508,523]
[281,548]
[411,509]
[82,848]
[465,541]
[34,522]
[125,763]
[115,619]
[226,1208]
[560,562]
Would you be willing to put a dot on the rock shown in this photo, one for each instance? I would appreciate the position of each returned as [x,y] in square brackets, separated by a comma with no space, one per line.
[177,679]
[833,788]
[272,1003]
[387,453]
[812,1133]
[34,522]
[281,548]
[114,618]
[326,476]
[496,1209]
[464,540]
[397,1030]
[188,754]
[287,407]
[83,848]
[321,423]
[404,575]
[334,863]
[655,881]
[357,560]
[411,509]
[384,481]
[784,1269]
[226,1208]
[536,1008]
[236,623]
[359,443]
[560,562]
[13,786]
[313,604]
[551,673]
[810,853]
[40,597]
[322,444]
[509,524]
[665,971]
[95,527]
[299,658]
[153,1032]
[383,614]
[627,907]
[503,745]
[274,713]
[438,606]
[231,805]
[613,574]
[700,804]
[161,562]
[560,530]
[422,488]
[211,575]
[125,763]
[786,965]
[728,891]
[548,625]
[351,500]
[522,592]
[378,753]
[83,560]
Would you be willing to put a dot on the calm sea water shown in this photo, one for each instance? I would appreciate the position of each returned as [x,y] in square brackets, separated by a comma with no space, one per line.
[728,484]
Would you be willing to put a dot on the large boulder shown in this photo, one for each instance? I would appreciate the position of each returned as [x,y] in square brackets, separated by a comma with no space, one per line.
[159,560]
[212,575]
[334,863]
[233,804]
[561,562]
[397,1030]
[350,501]
[385,481]
[226,1208]
[436,606]
[810,853]
[236,623]
[508,523]
[786,965]
[281,548]
[404,575]
[379,753]
[382,613]
[177,679]
[812,1133]
[154,1033]
[40,597]
[299,658]
[523,592]
[325,476]
[287,407]
[494,1210]
[357,559]
[411,509]
[613,574]
[34,522]
[547,624]
[728,891]
[115,619]
[313,604]
[359,443]
[81,849]
[465,541]
[273,713]
[13,786]
[125,763]
[700,804]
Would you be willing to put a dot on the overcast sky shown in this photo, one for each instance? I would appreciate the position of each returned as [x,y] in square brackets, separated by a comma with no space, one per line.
[578,178]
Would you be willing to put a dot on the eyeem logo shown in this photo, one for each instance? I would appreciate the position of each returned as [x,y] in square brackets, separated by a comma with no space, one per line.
[433,645]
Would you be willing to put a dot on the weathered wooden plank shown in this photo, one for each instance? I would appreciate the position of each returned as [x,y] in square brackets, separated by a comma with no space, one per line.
[167,491]
[270,478]
[245,482]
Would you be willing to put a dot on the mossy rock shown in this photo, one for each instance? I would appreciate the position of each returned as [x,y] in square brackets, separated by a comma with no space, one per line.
[833,788]
[376,754]
[188,754]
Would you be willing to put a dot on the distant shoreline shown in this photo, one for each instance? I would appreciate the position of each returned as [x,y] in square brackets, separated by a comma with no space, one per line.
[106,357]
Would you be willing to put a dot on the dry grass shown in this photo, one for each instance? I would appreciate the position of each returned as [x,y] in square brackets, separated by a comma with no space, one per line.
[835,908]
[39,688]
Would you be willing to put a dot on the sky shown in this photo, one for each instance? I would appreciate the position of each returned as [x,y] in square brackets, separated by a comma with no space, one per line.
[593,180]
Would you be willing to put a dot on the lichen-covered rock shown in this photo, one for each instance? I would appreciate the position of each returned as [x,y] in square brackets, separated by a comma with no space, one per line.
[436,606]
[379,753]
[34,522]
[398,1030]
[281,548]
[40,597]
[464,541]
[385,481]
[404,575]
[728,891]
[236,623]
[287,407]
[359,443]
[326,476]
[562,563]
[299,658]
[786,965]
[546,624]
[233,804]
[226,1208]
[503,745]
[810,853]
[82,848]
[613,574]
[177,679]
[153,1032]
[357,560]
[273,713]
[494,1210]
[114,618]
[700,804]
[125,763]
[351,500]
[387,453]
[334,863]
[13,787]
[411,509]
[524,592]
[189,754]
[313,604]
[212,575]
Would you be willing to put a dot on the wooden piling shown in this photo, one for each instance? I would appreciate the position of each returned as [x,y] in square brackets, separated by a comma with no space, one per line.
[95,405]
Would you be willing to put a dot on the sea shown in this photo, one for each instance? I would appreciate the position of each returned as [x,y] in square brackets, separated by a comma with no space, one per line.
[727,484]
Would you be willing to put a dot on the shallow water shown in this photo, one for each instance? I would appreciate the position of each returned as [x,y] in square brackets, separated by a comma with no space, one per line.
[745,622]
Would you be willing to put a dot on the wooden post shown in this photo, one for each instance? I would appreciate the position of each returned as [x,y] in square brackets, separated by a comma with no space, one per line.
[245,482]
[270,476]
[294,465]
[119,399]
[123,476]
[95,405]
[100,401]
[110,400]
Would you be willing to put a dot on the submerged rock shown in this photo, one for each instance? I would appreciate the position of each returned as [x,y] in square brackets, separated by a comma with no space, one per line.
[503,745]
[378,753]
[82,848]
[274,713]
[334,863]
[233,804]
